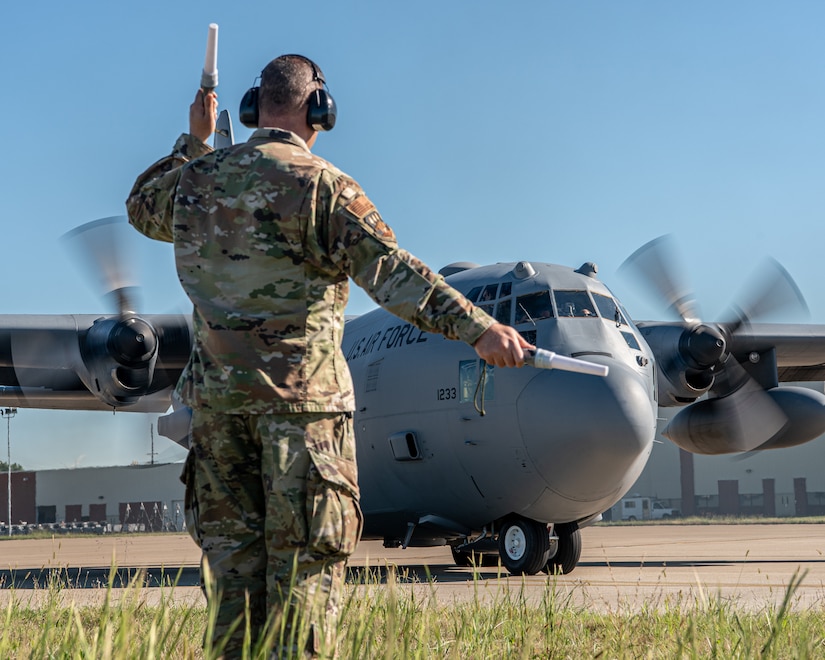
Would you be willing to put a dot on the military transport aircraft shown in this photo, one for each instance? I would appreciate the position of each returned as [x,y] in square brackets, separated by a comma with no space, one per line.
[497,463]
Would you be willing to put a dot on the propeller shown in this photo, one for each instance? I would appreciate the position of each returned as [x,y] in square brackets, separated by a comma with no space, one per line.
[771,290]
[691,350]
[98,247]
[119,353]
[94,362]
[658,266]
[738,415]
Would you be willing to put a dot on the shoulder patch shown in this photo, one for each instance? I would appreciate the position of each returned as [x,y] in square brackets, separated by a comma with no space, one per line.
[360,209]
[360,206]
[374,221]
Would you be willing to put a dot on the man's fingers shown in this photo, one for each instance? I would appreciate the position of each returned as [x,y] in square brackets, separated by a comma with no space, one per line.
[203,114]
[206,103]
[502,346]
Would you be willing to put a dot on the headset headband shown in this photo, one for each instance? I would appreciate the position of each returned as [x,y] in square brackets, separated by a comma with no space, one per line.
[317,74]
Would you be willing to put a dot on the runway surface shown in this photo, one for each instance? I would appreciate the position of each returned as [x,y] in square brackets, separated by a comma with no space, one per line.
[622,567]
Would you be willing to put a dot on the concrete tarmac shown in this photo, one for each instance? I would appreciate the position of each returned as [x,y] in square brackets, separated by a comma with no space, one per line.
[621,568]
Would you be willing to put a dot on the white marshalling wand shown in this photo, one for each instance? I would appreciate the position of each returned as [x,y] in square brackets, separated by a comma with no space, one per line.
[543,359]
[209,81]
[209,77]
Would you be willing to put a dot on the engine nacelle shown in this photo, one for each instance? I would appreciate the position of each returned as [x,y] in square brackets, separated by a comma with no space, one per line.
[773,419]
[684,358]
[805,410]
[120,355]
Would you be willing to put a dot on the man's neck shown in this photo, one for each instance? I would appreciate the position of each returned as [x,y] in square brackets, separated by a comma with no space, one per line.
[289,123]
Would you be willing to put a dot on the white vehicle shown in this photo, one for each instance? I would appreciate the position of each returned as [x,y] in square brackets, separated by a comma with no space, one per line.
[643,508]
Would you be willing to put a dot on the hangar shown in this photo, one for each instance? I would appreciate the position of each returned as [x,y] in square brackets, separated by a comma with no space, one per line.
[134,497]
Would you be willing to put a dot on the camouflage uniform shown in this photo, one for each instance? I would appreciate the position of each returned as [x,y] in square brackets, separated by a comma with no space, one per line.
[265,236]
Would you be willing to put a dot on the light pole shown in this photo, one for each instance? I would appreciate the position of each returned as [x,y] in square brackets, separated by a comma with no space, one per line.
[8,413]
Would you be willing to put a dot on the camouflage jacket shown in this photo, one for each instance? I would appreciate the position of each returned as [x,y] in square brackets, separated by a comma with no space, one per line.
[265,234]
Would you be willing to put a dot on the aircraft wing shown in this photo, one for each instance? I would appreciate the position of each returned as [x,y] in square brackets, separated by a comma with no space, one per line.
[799,348]
[86,362]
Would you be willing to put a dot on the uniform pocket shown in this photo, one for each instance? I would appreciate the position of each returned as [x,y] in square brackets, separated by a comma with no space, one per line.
[334,516]
[190,501]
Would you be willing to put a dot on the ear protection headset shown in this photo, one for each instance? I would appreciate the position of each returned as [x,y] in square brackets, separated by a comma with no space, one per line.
[321,109]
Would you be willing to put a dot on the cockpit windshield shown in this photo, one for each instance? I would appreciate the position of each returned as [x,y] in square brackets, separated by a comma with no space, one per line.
[609,309]
[574,303]
[533,307]
[496,299]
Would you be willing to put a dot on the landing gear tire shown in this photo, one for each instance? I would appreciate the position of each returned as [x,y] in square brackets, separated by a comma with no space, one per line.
[569,551]
[523,546]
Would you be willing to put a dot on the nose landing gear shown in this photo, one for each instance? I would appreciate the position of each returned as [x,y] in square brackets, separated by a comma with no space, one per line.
[569,549]
[524,545]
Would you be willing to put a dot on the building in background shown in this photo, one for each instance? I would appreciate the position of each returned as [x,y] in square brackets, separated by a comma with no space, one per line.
[134,498]
[782,482]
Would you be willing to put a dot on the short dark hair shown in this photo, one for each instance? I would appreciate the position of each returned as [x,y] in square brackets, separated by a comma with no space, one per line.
[286,83]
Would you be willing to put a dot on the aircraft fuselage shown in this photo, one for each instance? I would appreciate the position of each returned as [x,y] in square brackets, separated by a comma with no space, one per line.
[551,446]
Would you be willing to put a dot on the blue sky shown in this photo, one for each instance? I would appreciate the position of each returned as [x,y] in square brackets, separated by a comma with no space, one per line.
[550,131]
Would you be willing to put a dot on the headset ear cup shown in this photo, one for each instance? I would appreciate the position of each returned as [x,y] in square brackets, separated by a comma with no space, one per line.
[248,112]
[321,111]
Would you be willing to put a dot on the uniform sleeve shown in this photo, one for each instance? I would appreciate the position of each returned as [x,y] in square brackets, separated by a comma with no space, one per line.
[151,200]
[365,248]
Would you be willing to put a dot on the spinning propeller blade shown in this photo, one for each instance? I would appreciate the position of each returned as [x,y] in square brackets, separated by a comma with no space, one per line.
[738,415]
[657,267]
[98,248]
[115,357]
[771,290]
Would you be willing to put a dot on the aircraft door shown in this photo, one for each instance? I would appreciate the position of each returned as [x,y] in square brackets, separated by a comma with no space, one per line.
[489,448]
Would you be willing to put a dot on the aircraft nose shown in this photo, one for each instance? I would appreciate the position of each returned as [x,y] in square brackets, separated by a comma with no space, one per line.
[588,435]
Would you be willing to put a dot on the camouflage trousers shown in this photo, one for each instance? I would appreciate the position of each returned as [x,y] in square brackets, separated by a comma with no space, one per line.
[273,502]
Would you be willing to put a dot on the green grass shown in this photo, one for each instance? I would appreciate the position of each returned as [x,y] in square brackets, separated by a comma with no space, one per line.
[386,617]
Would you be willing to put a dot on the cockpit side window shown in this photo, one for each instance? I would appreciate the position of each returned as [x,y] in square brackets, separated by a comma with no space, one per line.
[487,307]
[490,293]
[574,303]
[609,309]
[474,293]
[533,307]
[624,313]
[485,297]
[503,311]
